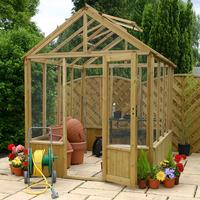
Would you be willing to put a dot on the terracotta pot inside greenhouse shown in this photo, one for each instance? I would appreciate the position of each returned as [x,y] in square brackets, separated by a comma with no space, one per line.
[78,153]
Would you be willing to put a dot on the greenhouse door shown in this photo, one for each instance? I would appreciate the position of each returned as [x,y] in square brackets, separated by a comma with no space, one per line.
[119,118]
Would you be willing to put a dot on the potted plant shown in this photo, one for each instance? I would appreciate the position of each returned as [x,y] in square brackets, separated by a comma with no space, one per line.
[179,167]
[156,175]
[190,86]
[11,156]
[143,169]
[169,178]
[17,166]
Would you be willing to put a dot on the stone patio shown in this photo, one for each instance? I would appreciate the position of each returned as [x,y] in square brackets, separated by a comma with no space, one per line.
[11,187]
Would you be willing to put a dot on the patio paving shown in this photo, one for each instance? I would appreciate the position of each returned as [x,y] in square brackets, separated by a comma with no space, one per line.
[11,187]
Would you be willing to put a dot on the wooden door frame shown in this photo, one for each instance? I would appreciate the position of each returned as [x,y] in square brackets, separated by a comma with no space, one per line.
[105,113]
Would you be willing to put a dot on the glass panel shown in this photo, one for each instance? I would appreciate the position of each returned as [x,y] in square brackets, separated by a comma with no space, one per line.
[36,100]
[142,105]
[119,101]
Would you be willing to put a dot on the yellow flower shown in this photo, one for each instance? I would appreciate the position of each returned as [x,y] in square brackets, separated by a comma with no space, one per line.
[160,176]
[166,161]
[16,162]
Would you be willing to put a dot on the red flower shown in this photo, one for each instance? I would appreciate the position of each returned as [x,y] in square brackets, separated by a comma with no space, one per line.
[177,158]
[25,151]
[183,156]
[25,164]
[180,167]
[10,146]
[11,156]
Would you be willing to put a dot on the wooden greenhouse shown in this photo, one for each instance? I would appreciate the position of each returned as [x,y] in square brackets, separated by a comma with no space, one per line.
[92,69]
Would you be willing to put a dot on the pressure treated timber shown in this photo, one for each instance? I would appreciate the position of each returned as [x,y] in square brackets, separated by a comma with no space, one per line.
[105,117]
[150,74]
[64,117]
[133,136]
[44,97]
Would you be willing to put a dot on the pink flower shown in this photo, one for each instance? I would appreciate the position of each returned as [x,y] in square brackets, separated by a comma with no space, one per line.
[19,148]
[14,150]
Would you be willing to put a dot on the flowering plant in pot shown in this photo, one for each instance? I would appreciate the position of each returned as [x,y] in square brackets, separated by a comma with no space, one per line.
[143,169]
[18,152]
[169,178]
[179,166]
[156,176]
[17,166]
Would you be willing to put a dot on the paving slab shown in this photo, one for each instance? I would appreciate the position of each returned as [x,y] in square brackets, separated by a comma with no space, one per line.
[3,195]
[9,187]
[135,190]
[10,177]
[21,196]
[98,198]
[197,195]
[67,196]
[181,198]
[131,196]
[95,192]
[193,179]
[181,190]
[101,186]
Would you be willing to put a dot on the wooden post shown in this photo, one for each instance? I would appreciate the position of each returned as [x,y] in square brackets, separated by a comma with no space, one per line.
[83,75]
[27,104]
[71,90]
[105,115]
[133,136]
[150,84]
[158,103]
[59,96]
[64,168]
[44,97]
[85,33]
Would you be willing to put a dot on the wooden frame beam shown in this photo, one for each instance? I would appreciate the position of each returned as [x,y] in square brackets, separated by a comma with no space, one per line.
[150,88]
[133,128]
[125,35]
[85,38]
[82,54]
[64,86]
[70,37]
[44,97]
[55,33]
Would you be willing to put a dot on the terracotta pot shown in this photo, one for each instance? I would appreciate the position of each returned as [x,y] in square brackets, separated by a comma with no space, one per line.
[142,184]
[57,130]
[11,169]
[75,132]
[169,183]
[78,153]
[56,137]
[68,118]
[17,171]
[69,154]
[177,180]
[153,183]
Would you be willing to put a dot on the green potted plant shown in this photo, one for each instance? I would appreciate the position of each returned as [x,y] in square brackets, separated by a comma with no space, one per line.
[143,169]
[190,85]
[156,175]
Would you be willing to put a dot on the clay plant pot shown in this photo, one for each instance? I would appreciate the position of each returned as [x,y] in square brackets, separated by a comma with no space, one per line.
[154,183]
[17,171]
[177,180]
[56,137]
[57,130]
[78,153]
[142,184]
[75,132]
[11,169]
[169,183]
[69,154]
